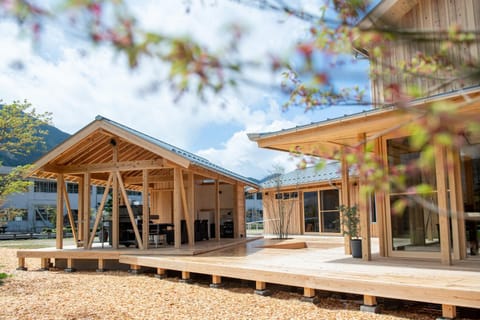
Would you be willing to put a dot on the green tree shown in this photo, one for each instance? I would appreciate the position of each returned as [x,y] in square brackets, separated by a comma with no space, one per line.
[20,133]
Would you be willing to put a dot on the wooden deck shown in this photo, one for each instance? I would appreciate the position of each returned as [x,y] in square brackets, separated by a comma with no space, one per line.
[307,263]
[322,265]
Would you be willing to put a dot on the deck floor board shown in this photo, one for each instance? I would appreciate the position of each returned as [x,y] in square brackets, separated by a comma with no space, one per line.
[320,264]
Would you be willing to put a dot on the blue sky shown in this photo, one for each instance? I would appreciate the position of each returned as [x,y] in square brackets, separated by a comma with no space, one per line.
[66,76]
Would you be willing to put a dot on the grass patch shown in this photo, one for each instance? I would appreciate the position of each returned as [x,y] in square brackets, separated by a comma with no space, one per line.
[2,277]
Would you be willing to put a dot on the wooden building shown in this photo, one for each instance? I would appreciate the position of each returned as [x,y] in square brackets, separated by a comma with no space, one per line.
[180,191]
[307,200]
[421,232]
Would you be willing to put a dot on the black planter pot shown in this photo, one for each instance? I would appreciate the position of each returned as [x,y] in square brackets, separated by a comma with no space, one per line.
[356,245]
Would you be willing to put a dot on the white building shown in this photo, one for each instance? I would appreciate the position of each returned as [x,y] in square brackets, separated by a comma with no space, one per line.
[32,211]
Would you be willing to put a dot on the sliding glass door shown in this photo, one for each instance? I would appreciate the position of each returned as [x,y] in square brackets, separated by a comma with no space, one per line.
[320,209]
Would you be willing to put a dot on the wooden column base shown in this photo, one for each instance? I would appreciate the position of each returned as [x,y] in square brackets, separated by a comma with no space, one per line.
[448,311]
[309,295]
[261,289]
[216,282]
[185,277]
[161,273]
[135,269]
[101,265]
[45,264]
[70,267]
[21,264]
[369,304]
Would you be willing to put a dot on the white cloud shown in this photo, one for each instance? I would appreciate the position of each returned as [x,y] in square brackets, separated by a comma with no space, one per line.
[59,77]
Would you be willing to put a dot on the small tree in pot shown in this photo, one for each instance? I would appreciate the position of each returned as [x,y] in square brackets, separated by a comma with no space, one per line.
[351,221]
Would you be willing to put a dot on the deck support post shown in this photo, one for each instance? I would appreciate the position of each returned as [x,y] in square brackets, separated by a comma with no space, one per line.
[135,269]
[216,282]
[364,208]
[448,312]
[261,289]
[101,265]
[161,273]
[309,295]
[369,304]
[69,267]
[44,264]
[21,264]
[185,277]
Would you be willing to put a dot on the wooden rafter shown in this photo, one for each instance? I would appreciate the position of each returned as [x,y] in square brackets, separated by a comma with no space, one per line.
[99,211]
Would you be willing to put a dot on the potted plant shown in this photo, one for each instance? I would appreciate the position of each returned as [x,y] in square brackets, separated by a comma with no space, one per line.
[351,221]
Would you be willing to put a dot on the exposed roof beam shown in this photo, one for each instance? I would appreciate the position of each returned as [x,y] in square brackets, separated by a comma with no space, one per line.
[107,167]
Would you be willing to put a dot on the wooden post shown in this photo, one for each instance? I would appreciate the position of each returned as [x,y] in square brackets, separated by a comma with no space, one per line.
[135,269]
[216,282]
[453,202]
[191,206]
[21,264]
[369,300]
[185,277]
[44,263]
[380,211]
[80,213]
[115,201]
[115,214]
[101,265]
[217,210]
[345,198]
[456,204]
[177,206]
[449,311]
[161,273]
[443,210]
[145,209]
[261,289]
[239,211]
[86,208]
[69,265]
[309,295]
[189,217]
[308,292]
[363,206]
[369,304]
[260,285]
[60,204]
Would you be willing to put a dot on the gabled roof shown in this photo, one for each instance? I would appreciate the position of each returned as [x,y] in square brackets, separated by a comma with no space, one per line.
[310,175]
[92,145]
[323,138]
[191,157]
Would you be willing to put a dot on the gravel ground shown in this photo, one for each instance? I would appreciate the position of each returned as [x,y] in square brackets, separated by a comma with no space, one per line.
[120,295]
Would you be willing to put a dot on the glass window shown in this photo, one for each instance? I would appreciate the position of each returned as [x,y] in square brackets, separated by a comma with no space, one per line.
[310,210]
[329,211]
[45,186]
[321,211]
[416,228]
[72,188]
